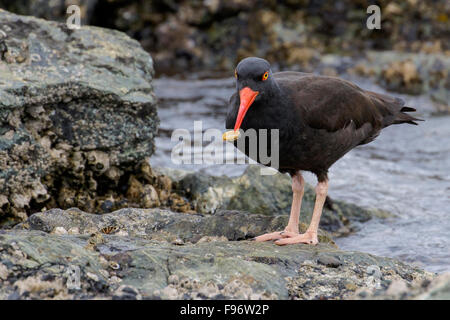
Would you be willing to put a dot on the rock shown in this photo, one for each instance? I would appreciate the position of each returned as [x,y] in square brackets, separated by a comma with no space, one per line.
[411,73]
[150,269]
[374,271]
[402,75]
[3,272]
[263,194]
[92,276]
[36,287]
[173,279]
[329,261]
[419,289]
[77,115]
[195,35]
[60,231]
[126,293]
[438,289]
[397,287]
[174,227]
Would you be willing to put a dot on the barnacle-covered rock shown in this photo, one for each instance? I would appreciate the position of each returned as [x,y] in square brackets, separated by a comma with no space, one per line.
[411,73]
[77,113]
[139,253]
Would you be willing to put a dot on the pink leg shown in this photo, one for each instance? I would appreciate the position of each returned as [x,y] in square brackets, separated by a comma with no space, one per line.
[310,236]
[298,184]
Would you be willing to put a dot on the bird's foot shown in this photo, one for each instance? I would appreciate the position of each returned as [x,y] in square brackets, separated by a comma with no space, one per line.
[276,235]
[309,237]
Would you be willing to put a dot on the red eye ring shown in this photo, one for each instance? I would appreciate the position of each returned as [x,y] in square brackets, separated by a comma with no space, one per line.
[265,76]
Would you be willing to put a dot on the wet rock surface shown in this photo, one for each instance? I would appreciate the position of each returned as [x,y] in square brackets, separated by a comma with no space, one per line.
[436,289]
[264,194]
[77,115]
[161,224]
[140,260]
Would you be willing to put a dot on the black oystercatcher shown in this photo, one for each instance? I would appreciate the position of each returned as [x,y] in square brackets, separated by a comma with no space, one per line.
[319,119]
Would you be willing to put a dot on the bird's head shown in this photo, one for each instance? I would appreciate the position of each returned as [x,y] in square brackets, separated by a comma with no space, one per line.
[253,82]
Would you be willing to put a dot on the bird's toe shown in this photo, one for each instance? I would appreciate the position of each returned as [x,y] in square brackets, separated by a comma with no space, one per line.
[288,234]
[269,236]
[305,238]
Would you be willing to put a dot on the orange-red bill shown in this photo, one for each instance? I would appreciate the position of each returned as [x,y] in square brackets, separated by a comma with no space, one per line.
[247,97]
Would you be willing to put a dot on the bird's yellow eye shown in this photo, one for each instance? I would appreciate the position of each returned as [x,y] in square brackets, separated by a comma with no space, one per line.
[235,74]
[265,75]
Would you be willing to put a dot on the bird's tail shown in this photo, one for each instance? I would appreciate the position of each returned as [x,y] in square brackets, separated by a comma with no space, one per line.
[402,117]
[393,109]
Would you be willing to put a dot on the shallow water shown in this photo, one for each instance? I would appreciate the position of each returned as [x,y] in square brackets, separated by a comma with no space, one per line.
[406,171]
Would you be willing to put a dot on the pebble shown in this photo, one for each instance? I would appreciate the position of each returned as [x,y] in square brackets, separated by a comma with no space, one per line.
[374,271]
[126,293]
[173,279]
[329,261]
[19,254]
[104,273]
[373,282]
[3,272]
[114,265]
[92,276]
[170,292]
[115,279]
[122,233]
[59,231]
[74,230]
[350,286]
[397,287]
[178,242]
[103,261]
[308,263]
[212,239]
[238,289]
[209,290]
[209,255]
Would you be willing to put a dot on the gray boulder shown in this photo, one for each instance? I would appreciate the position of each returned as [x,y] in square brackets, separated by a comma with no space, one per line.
[77,112]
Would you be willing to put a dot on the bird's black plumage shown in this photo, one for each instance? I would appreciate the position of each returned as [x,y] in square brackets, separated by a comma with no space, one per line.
[320,118]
